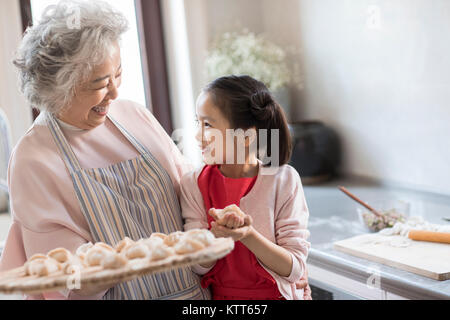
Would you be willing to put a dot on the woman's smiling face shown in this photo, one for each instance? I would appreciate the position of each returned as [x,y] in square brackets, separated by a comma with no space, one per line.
[91,103]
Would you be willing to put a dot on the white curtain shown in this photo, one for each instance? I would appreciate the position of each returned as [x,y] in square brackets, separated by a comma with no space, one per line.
[182,55]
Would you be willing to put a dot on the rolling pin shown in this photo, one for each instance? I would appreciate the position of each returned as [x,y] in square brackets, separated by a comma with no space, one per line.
[430,236]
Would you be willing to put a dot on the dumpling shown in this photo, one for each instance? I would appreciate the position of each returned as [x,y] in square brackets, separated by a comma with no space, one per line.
[161,252]
[188,246]
[104,246]
[75,264]
[152,242]
[37,256]
[231,208]
[123,244]
[94,256]
[136,251]
[60,254]
[83,249]
[173,238]
[158,235]
[204,236]
[113,260]
[42,267]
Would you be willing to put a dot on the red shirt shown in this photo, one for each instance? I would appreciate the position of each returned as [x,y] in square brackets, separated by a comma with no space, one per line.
[238,276]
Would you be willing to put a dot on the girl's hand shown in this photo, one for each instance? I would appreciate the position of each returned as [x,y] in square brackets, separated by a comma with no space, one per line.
[303,284]
[231,219]
[238,234]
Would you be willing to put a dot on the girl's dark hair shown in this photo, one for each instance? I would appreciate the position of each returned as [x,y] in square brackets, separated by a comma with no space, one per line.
[247,103]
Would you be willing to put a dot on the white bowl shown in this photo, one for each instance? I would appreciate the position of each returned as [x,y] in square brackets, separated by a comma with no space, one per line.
[386,206]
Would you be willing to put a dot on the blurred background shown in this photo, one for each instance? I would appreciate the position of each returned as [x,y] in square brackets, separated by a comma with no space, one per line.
[373,72]
[365,83]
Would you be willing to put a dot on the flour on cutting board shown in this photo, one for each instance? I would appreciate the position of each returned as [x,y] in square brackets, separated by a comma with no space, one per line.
[396,242]
[400,243]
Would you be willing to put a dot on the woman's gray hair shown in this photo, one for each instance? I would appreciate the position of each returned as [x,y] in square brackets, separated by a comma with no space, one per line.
[61,50]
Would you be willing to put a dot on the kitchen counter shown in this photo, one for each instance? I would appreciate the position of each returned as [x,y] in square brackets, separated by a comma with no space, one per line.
[333,217]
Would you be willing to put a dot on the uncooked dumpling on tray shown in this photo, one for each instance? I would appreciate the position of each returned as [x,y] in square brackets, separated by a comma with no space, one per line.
[201,235]
[56,261]
[124,261]
[159,246]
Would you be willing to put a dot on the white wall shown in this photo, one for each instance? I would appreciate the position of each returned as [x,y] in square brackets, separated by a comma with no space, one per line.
[387,89]
[383,82]
[207,19]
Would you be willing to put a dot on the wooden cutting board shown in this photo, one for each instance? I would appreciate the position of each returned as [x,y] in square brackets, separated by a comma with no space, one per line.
[427,259]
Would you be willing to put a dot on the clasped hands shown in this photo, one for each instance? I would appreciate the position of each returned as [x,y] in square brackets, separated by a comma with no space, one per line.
[231,222]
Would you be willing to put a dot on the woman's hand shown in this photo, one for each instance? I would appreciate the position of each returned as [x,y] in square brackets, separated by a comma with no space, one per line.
[237,234]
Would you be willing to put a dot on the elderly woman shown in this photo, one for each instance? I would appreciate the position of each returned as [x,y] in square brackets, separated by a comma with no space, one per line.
[90,168]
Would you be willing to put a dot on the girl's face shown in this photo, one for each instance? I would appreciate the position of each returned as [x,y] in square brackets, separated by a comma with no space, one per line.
[212,125]
[91,103]
[212,133]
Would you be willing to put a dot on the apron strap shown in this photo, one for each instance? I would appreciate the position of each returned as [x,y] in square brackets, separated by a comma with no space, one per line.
[64,148]
[139,147]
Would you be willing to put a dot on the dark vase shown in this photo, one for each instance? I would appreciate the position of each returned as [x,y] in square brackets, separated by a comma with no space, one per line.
[316,151]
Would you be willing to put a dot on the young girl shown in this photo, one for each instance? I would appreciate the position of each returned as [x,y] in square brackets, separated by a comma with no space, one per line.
[271,248]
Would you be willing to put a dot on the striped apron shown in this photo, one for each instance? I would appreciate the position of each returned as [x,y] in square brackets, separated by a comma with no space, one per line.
[131,199]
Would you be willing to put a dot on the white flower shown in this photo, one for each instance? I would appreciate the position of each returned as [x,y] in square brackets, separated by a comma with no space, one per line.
[249,54]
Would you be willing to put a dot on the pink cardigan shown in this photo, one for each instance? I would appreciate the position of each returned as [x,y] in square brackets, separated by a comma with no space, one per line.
[279,211]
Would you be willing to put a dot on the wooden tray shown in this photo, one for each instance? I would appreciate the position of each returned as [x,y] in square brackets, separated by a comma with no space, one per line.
[15,281]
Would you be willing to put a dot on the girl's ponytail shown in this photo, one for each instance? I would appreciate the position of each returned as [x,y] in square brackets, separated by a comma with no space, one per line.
[262,105]
[271,116]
